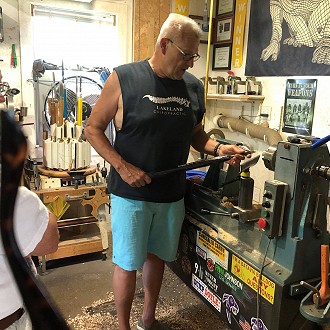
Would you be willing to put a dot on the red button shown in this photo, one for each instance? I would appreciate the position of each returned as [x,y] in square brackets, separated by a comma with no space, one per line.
[262,223]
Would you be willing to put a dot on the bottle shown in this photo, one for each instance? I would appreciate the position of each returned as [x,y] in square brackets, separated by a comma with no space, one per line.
[230,81]
[246,186]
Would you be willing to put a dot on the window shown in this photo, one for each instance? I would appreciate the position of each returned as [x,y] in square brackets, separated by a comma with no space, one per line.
[78,38]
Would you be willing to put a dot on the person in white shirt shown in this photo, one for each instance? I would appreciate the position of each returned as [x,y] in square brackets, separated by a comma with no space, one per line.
[37,234]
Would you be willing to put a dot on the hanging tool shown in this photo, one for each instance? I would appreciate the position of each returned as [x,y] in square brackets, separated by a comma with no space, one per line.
[60,104]
[79,106]
[13,60]
[65,102]
[51,103]
[104,172]
[36,175]
[55,120]
[323,296]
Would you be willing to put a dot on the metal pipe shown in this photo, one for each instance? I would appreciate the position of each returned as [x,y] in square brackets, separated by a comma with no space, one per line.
[207,211]
[37,113]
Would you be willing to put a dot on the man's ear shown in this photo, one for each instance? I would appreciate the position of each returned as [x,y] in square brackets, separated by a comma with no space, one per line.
[163,45]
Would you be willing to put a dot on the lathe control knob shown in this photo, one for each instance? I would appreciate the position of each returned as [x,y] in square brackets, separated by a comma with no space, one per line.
[268,194]
[266,204]
[262,223]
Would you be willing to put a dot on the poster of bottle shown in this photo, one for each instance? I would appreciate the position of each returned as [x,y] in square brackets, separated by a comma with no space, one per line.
[299,106]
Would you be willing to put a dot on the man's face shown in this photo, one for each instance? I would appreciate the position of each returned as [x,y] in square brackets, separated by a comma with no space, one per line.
[175,64]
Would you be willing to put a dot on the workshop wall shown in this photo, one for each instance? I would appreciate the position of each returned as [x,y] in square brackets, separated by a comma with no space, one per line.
[18,31]
[11,74]
[147,20]
[274,93]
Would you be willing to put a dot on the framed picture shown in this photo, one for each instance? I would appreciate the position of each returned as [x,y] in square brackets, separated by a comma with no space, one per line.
[225,7]
[299,106]
[205,27]
[224,30]
[221,57]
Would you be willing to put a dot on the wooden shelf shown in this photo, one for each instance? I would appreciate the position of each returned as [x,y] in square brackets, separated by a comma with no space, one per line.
[76,247]
[236,97]
[74,241]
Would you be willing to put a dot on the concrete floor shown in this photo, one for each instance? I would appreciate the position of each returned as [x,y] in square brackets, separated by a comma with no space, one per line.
[81,287]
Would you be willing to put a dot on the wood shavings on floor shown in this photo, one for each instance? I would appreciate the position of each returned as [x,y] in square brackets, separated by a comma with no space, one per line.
[176,310]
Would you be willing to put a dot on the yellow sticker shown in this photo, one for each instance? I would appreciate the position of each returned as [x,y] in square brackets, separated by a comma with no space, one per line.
[212,246]
[181,7]
[250,276]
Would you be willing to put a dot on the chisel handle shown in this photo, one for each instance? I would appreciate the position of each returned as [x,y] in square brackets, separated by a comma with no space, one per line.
[60,111]
[56,111]
[323,296]
[79,111]
[52,111]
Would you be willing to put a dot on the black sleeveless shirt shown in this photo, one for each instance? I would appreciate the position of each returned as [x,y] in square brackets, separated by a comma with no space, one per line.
[159,115]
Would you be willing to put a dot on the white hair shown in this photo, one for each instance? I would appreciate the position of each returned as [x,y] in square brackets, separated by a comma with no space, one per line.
[176,26]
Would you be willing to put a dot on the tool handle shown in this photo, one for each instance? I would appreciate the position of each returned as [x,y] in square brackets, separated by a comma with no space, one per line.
[60,111]
[56,111]
[323,296]
[65,104]
[79,111]
[52,111]
[324,290]
[319,142]
[189,166]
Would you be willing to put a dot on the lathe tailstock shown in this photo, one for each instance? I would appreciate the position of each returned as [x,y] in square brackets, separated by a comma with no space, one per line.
[247,264]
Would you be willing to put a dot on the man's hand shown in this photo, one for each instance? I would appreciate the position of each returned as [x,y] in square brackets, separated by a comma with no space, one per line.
[133,175]
[238,152]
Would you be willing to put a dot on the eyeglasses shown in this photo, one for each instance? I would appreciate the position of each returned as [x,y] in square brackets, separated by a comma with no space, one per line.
[186,57]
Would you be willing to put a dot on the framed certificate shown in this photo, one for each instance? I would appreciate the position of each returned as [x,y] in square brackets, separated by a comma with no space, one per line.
[221,57]
[225,7]
[224,30]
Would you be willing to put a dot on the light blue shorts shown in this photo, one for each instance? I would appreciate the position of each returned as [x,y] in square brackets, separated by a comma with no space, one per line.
[140,227]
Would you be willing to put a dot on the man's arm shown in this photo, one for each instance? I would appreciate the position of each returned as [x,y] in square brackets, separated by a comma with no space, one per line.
[203,143]
[103,112]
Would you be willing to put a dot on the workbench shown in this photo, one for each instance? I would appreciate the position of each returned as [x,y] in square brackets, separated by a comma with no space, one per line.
[83,224]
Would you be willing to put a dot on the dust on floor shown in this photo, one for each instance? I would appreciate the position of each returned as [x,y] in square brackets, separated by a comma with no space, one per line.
[178,308]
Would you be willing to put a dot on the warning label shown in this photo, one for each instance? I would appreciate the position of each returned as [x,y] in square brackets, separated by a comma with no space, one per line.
[251,277]
[213,249]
